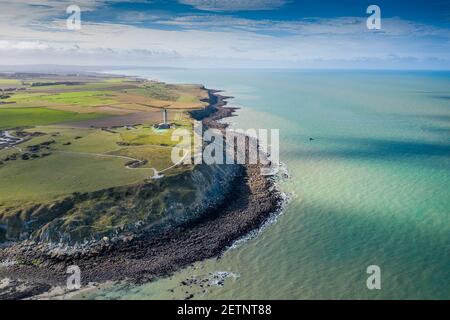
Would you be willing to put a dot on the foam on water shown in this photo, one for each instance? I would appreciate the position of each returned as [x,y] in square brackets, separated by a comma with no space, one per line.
[371,187]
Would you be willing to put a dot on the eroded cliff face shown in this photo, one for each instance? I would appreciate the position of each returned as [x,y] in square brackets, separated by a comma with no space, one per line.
[148,206]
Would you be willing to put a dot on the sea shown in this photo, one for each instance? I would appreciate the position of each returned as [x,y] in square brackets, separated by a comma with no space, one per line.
[368,159]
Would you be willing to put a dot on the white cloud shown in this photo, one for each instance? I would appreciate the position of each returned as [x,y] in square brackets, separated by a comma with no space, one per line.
[22,45]
[306,27]
[234,5]
[32,34]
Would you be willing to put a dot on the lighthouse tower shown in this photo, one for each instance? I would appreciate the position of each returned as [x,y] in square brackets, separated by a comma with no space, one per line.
[165,116]
[165,124]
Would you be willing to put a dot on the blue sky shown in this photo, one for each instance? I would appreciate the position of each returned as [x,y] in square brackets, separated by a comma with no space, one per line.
[430,12]
[228,33]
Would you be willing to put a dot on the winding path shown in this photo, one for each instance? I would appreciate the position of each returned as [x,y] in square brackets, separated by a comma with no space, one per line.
[156,174]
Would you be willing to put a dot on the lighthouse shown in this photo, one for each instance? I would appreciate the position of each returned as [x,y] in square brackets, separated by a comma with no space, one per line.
[165,116]
[165,124]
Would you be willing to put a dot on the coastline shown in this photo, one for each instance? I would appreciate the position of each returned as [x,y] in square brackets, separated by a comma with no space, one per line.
[144,257]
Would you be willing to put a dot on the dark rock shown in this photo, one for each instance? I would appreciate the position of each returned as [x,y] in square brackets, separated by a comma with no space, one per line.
[140,257]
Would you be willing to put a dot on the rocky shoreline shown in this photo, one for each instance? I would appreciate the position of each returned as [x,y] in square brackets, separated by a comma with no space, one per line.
[143,257]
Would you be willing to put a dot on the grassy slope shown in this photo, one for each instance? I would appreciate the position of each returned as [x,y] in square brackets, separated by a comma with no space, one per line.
[79,98]
[9,82]
[149,136]
[59,174]
[24,182]
[18,117]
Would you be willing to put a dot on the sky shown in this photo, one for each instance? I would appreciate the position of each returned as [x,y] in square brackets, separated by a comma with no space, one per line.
[227,34]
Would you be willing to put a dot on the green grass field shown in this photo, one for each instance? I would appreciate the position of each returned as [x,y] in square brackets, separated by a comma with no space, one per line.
[80,160]
[81,98]
[59,157]
[22,117]
[158,91]
[150,136]
[158,157]
[60,174]
[77,87]
[5,82]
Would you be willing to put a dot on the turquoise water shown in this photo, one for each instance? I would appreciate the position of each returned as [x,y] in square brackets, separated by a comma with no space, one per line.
[372,188]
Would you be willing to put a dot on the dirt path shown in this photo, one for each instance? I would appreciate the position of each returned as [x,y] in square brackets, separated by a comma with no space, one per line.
[250,201]
[156,174]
